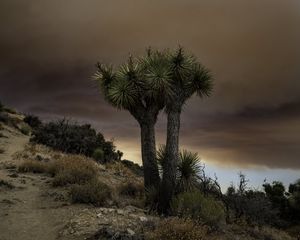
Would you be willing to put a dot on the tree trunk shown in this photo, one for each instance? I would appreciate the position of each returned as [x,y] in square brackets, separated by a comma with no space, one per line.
[151,174]
[170,166]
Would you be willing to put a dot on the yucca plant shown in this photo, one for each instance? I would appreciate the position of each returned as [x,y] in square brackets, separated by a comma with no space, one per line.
[189,169]
[136,86]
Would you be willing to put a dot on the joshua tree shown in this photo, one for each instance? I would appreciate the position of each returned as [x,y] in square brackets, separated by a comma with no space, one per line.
[136,86]
[188,77]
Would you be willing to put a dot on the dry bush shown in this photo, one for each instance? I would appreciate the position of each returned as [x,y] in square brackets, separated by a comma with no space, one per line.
[2,150]
[177,229]
[66,170]
[132,189]
[119,169]
[72,170]
[94,192]
[33,166]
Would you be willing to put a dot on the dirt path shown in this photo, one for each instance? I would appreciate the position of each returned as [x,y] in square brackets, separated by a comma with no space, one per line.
[28,211]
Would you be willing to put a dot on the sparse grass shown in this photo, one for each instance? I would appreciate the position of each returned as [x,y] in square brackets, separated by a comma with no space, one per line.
[6,184]
[175,229]
[94,192]
[33,166]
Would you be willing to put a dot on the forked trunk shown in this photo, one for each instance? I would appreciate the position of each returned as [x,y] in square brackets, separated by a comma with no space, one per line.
[151,174]
[170,165]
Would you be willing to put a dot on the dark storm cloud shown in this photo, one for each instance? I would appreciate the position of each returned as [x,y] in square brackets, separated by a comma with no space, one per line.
[48,50]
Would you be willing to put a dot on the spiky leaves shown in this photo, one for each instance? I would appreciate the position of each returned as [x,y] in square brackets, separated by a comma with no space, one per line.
[200,82]
[158,74]
[189,77]
[189,170]
[104,76]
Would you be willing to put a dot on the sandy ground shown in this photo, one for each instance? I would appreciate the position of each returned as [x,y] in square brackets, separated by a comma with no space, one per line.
[29,211]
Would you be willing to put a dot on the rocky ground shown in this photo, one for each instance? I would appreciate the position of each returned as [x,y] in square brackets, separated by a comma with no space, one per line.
[30,208]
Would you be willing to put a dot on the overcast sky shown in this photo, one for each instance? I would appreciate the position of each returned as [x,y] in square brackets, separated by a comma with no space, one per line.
[251,122]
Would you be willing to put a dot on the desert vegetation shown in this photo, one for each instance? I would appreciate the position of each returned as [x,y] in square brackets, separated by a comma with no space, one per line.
[146,85]
[175,186]
[73,138]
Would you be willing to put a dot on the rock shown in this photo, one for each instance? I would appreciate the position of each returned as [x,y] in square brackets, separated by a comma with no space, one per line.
[121,212]
[143,219]
[130,232]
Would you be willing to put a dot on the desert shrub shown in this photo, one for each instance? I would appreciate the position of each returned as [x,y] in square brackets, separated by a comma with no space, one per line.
[33,121]
[276,193]
[251,205]
[72,170]
[98,155]
[2,150]
[10,110]
[132,189]
[6,184]
[94,192]
[33,166]
[135,168]
[119,169]
[25,129]
[73,138]
[175,229]
[196,206]
[294,201]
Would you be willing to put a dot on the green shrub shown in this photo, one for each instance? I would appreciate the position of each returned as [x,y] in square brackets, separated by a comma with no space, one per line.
[98,155]
[94,192]
[33,121]
[177,229]
[25,129]
[73,138]
[198,207]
